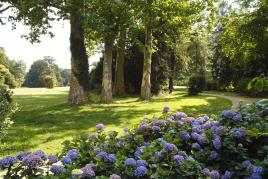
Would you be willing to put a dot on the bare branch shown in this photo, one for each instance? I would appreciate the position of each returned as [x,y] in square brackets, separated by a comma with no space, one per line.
[6,8]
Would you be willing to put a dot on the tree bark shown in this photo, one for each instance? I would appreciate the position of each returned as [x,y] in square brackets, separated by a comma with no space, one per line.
[171,73]
[79,84]
[106,91]
[119,84]
[146,78]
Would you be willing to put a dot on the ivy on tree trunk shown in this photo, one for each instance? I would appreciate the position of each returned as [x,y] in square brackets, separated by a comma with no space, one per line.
[106,91]
[79,84]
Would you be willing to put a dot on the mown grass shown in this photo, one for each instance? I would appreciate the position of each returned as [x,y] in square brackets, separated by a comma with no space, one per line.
[45,121]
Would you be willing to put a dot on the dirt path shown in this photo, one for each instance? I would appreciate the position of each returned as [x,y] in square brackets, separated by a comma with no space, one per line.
[236,99]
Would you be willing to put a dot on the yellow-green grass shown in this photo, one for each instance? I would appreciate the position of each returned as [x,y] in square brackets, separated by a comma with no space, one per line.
[45,121]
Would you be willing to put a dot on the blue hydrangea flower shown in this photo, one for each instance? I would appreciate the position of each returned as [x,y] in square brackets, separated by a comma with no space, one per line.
[156,128]
[87,171]
[217,142]
[66,160]
[179,115]
[166,109]
[227,175]
[52,159]
[206,171]
[194,135]
[158,154]
[257,170]
[73,154]
[228,113]
[237,117]
[111,158]
[196,146]
[130,162]
[96,149]
[214,174]
[100,126]
[102,155]
[158,122]
[168,147]
[41,154]
[140,171]
[179,123]
[238,132]
[143,126]
[20,156]
[162,141]
[7,161]
[178,159]
[142,163]
[255,176]
[138,151]
[213,154]
[184,135]
[201,139]
[32,160]
[57,169]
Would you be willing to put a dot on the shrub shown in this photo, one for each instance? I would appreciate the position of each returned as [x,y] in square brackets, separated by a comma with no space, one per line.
[231,144]
[242,85]
[212,85]
[258,86]
[196,84]
[50,81]
[7,108]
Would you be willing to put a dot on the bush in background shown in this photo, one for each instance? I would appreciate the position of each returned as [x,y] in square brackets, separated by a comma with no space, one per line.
[50,81]
[196,84]
[258,86]
[7,108]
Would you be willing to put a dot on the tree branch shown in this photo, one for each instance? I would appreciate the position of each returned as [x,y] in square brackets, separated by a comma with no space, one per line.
[6,8]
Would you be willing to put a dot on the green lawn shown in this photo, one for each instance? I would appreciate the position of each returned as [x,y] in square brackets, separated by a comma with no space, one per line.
[45,121]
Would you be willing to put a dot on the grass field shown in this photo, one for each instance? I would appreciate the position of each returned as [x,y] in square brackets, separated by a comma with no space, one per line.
[45,121]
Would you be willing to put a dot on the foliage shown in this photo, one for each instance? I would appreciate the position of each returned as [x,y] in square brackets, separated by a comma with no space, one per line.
[242,86]
[66,76]
[166,147]
[196,84]
[258,85]
[50,81]
[6,78]
[7,108]
[39,69]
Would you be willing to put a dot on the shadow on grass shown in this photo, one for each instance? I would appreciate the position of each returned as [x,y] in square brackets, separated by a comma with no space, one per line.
[47,120]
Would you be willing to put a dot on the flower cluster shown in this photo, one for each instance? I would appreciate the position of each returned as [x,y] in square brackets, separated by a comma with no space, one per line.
[171,146]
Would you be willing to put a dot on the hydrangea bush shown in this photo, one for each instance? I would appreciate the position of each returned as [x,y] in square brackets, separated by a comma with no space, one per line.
[233,144]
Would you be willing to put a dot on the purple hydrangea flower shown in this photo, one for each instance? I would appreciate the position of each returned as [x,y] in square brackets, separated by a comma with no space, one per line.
[20,156]
[93,136]
[143,126]
[227,175]
[237,117]
[201,139]
[7,161]
[156,128]
[228,113]
[179,115]
[217,142]
[213,154]
[184,135]
[52,159]
[100,126]
[102,155]
[66,160]
[257,170]
[179,123]
[198,129]
[96,149]
[41,154]
[214,174]
[238,132]
[194,135]
[196,146]
[130,162]
[158,122]
[111,158]
[138,151]
[126,129]
[142,163]
[206,171]
[158,154]
[140,171]
[57,169]
[32,160]
[166,109]
[87,171]
[178,159]
[220,130]
[73,154]
[168,147]
[162,141]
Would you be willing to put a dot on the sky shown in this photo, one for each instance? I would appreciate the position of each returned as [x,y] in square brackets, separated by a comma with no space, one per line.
[18,48]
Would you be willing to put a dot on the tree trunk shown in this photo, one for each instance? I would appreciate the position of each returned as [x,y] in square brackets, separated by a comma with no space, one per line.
[171,73]
[79,84]
[119,84]
[106,91]
[146,78]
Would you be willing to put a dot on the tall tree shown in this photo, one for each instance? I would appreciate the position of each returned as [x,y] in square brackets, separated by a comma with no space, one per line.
[39,15]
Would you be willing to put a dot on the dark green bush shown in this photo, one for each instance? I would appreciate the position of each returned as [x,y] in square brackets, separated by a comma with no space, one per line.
[7,108]
[212,85]
[241,86]
[196,84]
[258,86]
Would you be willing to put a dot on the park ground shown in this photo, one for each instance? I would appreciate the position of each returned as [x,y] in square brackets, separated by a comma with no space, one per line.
[45,121]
